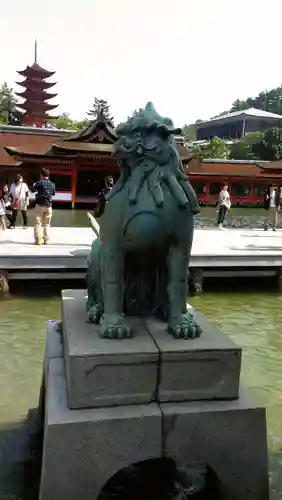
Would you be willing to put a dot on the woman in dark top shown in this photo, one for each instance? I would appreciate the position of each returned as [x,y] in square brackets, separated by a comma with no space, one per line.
[109,182]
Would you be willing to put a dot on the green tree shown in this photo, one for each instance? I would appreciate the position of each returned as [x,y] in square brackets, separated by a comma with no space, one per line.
[269,148]
[189,133]
[101,111]
[8,106]
[66,122]
[268,100]
[216,149]
[243,149]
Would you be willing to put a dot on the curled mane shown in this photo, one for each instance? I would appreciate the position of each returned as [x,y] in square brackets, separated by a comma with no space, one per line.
[147,153]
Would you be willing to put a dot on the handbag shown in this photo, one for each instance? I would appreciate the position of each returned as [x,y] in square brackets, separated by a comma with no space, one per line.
[16,202]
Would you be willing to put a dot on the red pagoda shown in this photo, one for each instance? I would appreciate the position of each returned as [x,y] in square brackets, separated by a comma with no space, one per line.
[35,97]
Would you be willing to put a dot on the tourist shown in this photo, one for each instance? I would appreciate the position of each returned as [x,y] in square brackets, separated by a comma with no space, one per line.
[45,190]
[108,184]
[2,210]
[224,204]
[19,194]
[8,203]
[272,200]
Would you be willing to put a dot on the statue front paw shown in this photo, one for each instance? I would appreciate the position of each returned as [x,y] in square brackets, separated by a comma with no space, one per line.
[184,327]
[114,326]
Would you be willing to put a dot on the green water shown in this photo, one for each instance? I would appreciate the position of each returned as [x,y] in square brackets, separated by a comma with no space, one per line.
[252,319]
[77,218]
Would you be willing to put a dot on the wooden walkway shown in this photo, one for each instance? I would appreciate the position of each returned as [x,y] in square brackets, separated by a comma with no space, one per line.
[217,253]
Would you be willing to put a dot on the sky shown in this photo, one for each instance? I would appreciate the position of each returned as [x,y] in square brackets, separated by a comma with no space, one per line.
[191,58]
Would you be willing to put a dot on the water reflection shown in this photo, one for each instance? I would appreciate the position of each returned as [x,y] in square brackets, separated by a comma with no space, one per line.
[252,319]
[78,217]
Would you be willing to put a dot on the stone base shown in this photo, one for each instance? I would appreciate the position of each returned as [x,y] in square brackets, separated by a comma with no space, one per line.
[229,436]
[105,372]
[152,366]
[84,448]
[205,368]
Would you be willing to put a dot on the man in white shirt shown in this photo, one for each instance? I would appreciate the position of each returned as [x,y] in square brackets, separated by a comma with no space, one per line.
[272,205]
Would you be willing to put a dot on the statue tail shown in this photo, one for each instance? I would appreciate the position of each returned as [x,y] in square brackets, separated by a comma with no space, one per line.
[94,224]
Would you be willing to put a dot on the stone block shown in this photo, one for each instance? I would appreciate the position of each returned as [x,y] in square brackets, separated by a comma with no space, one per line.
[205,368]
[229,436]
[54,344]
[84,448]
[103,372]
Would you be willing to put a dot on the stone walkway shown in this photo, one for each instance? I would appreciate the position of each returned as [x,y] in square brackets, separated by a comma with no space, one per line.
[211,247]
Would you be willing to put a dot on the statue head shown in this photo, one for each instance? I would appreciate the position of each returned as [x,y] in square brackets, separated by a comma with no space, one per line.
[148,156]
[145,137]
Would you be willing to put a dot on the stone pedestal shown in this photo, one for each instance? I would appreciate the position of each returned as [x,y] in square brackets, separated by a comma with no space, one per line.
[84,448]
[228,435]
[126,396]
[103,372]
[205,368]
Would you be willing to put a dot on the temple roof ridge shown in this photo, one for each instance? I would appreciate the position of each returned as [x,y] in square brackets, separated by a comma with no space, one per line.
[95,130]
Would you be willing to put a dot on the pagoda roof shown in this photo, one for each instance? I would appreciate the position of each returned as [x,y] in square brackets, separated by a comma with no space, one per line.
[35,84]
[36,94]
[36,107]
[36,71]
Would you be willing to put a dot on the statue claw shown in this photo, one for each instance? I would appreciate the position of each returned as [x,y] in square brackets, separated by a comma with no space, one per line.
[114,327]
[95,314]
[184,327]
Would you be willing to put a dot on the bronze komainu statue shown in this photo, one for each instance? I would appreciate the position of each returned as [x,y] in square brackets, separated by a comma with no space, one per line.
[139,262]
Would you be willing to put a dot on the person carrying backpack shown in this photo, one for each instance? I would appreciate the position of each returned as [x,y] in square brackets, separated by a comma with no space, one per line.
[45,190]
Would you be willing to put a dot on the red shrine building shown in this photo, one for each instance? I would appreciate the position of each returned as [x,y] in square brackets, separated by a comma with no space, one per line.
[80,160]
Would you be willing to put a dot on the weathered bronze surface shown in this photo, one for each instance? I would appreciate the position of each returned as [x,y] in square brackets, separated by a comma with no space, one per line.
[139,263]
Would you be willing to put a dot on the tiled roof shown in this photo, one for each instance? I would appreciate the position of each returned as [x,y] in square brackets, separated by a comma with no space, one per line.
[28,142]
[250,112]
[39,141]
[225,169]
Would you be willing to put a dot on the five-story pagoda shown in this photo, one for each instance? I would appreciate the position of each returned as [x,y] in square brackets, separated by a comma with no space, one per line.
[35,96]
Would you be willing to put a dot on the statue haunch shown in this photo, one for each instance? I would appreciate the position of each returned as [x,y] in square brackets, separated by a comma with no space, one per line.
[139,262]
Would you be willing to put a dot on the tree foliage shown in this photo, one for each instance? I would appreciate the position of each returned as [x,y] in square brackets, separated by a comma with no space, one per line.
[269,148]
[66,122]
[101,110]
[9,113]
[268,100]
[216,149]
[189,133]
[243,149]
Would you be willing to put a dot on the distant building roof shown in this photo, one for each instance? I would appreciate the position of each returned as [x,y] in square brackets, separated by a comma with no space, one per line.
[227,168]
[244,113]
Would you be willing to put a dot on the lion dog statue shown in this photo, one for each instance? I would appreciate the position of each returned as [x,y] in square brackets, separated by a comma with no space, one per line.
[138,264]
